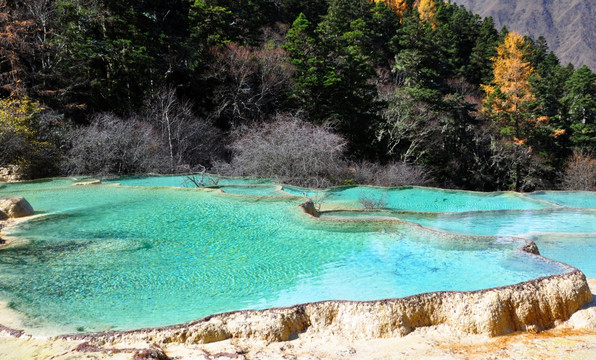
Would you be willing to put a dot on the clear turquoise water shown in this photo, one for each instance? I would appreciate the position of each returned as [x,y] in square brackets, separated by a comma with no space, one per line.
[12,188]
[576,249]
[563,234]
[254,190]
[183,181]
[577,199]
[422,199]
[116,257]
[497,223]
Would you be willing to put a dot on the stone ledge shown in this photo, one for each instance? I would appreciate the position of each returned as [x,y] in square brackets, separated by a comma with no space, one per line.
[529,306]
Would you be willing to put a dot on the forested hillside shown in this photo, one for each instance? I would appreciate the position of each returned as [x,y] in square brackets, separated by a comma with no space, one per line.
[316,93]
[568,26]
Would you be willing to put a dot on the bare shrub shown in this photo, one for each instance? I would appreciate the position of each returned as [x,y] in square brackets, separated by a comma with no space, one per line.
[318,198]
[111,145]
[191,142]
[371,201]
[394,174]
[580,173]
[408,128]
[518,167]
[201,179]
[289,150]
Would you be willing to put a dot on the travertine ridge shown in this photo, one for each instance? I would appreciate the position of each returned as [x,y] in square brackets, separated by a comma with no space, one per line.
[531,306]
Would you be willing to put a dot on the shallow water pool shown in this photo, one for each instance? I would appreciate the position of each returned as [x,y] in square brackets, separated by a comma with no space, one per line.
[577,199]
[420,199]
[116,257]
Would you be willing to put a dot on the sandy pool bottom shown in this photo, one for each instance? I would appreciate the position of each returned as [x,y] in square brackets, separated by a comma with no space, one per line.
[567,341]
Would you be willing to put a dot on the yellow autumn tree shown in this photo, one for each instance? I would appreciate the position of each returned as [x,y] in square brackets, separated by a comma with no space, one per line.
[398,5]
[509,98]
[427,10]
[22,141]
[16,115]
[511,104]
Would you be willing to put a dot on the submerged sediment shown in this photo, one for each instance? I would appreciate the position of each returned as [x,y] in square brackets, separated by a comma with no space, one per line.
[529,306]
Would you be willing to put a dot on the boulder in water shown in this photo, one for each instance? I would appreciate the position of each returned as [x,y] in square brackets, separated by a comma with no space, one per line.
[14,207]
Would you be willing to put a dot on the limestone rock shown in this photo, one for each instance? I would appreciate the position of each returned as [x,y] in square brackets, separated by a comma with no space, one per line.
[529,306]
[309,208]
[14,207]
[11,173]
[91,182]
[584,318]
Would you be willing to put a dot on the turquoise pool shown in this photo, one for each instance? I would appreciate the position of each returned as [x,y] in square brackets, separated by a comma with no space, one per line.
[578,199]
[121,257]
[422,199]
[184,181]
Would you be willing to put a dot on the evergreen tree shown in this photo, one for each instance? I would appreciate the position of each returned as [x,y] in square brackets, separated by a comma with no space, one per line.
[108,56]
[580,99]
[334,67]
[480,69]
[416,60]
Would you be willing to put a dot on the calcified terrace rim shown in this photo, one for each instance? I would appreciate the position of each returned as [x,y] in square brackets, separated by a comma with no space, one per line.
[495,311]
[533,305]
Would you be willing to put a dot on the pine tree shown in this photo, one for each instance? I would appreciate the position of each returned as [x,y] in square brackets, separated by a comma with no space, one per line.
[480,70]
[581,102]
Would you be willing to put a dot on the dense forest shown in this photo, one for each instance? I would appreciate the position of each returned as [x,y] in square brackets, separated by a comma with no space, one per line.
[315,93]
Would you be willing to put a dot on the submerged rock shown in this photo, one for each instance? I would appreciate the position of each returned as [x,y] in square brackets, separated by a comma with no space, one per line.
[14,207]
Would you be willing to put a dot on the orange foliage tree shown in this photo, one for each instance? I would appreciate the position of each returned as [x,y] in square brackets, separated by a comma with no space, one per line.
[398,5]
[511,104]
[24,47]
[509,100]
[428,10]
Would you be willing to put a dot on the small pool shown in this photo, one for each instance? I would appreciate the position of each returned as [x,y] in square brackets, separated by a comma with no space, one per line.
[420,199]
[109,257]
[186,180]
[577,199]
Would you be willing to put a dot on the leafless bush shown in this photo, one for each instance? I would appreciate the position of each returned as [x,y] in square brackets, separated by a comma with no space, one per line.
[191,142]
[390,175]
[201,179]
[318,199]
[408,128]
[517,166]
[111,145]
[580,173]
[371,201]
[289,150]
